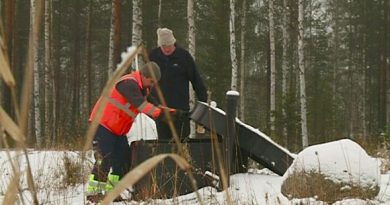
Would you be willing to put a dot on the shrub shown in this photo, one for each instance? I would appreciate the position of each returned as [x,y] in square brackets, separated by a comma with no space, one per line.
[318,186]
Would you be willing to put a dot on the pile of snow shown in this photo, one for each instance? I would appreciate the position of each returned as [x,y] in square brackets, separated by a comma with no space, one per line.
[343,161]
[341,169]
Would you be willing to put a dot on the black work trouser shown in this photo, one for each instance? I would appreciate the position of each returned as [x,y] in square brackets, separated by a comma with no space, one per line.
[182,127]
[111,151]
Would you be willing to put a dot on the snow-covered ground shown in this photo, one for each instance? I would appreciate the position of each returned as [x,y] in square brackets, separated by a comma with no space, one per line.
[54,172]
[254,187]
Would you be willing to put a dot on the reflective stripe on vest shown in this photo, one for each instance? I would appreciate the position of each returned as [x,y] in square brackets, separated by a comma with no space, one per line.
[147,108]
[125,108]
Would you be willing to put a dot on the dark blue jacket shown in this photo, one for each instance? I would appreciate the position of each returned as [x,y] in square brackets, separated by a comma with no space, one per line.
[177,70]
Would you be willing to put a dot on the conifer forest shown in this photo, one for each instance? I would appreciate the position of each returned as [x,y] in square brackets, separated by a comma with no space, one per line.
[308,71]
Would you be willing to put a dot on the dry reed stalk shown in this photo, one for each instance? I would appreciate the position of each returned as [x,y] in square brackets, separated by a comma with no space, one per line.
[11,127]
[12,190]
[16,132]
[5,70]
[220,159]
[33,40]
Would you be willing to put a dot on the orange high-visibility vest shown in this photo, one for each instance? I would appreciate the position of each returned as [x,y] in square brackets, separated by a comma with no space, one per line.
[119,114]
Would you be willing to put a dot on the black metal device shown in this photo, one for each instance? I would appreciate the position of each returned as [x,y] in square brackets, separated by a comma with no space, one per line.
[258,146]
[168,180]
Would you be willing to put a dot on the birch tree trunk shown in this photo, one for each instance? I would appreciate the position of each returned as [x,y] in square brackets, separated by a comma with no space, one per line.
[285,69]
[272,65]
[191,27]
[159,13]
[37,115]
[115,37]
[136,38]
[233,55]
[9,23]
[9,42]
[301,65]
[48,94]
[242,61]
[191,49]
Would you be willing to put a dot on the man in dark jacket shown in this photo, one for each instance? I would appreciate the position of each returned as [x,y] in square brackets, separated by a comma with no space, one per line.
[177,70]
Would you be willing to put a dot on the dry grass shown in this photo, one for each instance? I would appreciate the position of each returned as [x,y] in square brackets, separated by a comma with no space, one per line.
[378,147]
[371,144]
[74,171]
[313,184]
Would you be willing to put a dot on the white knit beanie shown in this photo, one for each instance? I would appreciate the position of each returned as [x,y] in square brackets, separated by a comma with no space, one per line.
[165,37]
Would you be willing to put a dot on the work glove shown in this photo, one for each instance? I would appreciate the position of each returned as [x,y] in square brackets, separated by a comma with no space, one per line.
[200,129]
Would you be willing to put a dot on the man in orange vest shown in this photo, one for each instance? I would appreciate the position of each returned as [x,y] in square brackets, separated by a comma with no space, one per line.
[112,151]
